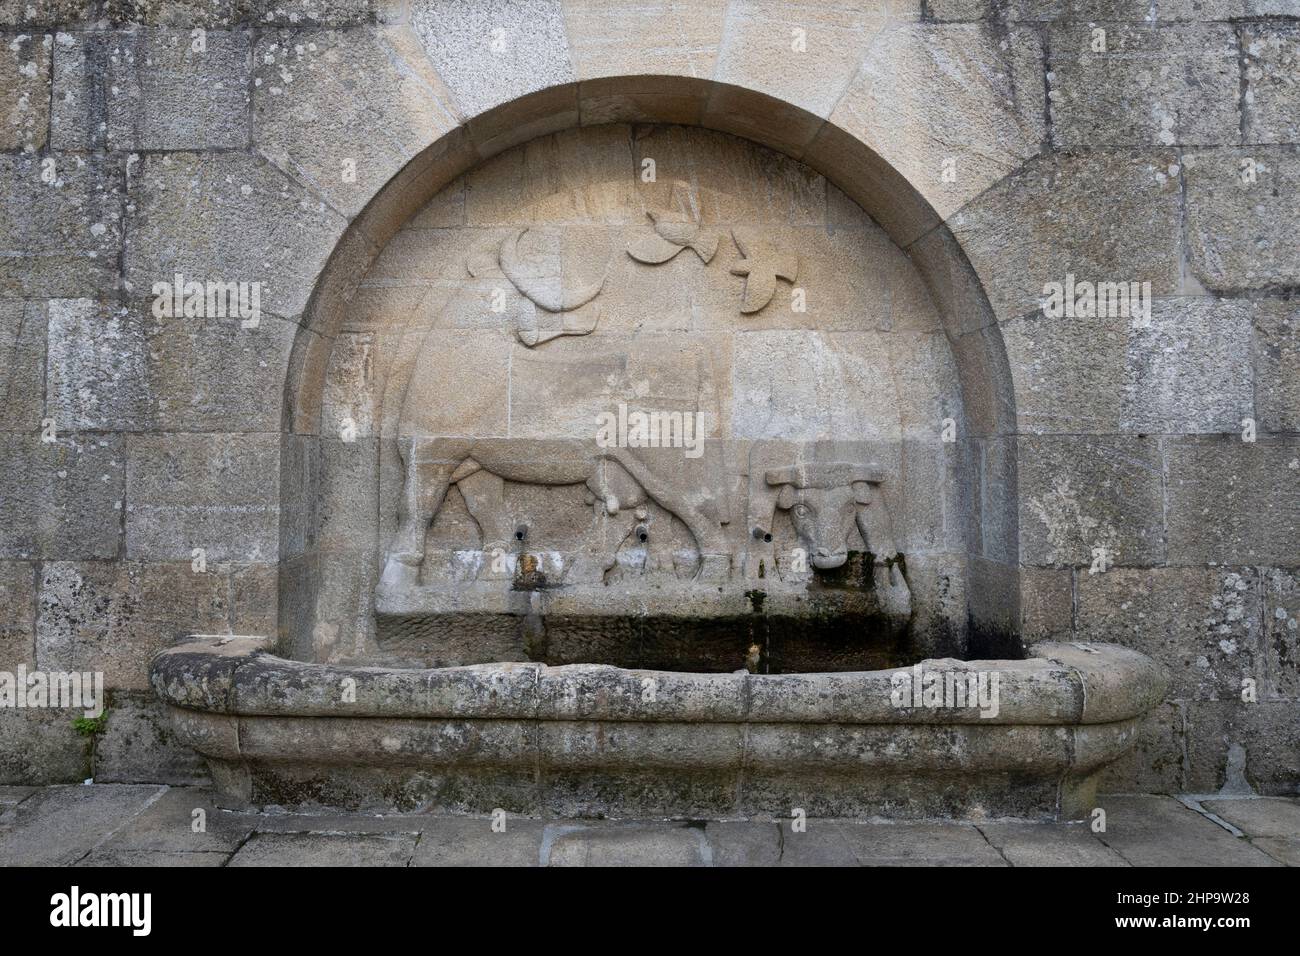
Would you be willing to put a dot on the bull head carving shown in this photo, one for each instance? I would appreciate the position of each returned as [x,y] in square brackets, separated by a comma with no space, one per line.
[826,502]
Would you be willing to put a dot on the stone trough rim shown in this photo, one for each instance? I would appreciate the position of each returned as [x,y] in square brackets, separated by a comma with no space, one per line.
[1056,684]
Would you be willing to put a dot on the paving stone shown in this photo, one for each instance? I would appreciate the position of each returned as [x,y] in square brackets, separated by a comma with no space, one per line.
[1161,85]
[1160,831]
[115,858]
[326,849]
[624,845]
[1262,817]
[60,825]
[471,841]
[1284,850]
[919,844]
[744,842]
[12,796]
[1029,844]
[169,826]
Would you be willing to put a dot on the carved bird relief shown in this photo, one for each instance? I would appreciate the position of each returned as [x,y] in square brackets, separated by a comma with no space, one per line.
[549,293]
[675,230]
[761,265]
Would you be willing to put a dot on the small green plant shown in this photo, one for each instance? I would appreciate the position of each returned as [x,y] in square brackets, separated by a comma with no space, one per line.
[90,726]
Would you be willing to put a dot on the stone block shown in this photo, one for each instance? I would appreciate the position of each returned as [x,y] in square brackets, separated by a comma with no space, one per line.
[494,51]
[17,614]
[1240,747]
[1203,624]
[96,369]
[1152,85]
[138,746]
[162,93]
[1161,831]
[41,747]
[62,499]
[625,845]
[46,12]
[953,108]
[1281,644]
[217,492]
[798,53]
[1242,217]
[1155,764]
[1046,604]
[345,137]
[1277,365]
[476,841]
[1080,493]
[1233,502]
[22,379]
[140,609]
[25,91]
[78,110]
[1018,239]
[1062,844]
[61,219]
[655,39]
[243,217]
[1272,71]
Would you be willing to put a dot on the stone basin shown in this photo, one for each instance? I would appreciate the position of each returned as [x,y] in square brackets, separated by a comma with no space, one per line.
[596,740]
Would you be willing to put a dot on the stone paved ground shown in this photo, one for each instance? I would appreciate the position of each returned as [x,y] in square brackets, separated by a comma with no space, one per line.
[145,825]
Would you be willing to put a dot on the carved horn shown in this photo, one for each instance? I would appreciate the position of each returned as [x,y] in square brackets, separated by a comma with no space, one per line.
[536,289]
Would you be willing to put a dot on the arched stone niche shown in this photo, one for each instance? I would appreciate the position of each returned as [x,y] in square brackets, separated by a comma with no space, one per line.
[449,332]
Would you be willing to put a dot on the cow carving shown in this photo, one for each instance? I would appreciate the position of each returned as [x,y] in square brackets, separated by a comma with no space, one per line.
[830,504]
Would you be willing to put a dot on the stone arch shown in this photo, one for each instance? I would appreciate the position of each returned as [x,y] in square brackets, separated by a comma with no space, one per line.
[880,189]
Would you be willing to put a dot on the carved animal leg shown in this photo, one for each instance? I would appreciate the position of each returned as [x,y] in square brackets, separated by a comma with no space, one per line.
[422,495]
[485,500]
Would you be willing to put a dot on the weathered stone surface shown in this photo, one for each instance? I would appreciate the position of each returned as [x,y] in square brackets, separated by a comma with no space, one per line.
[1272,71]
[1156,762]
[60,825]
[1062,844]
[1188,370]
[138,746]
[246,223]
[1259,818]
[65,499]
[1281,634]
[96,367]
[78,111]
[1239,747]
[24,90]
[45,12]
[165,94]
[17,614]
[61,225]
[1138,828]
[333,849]
[316,119]
[478,841]
[22,379]
[1242,217]
[1233,502]
[40,747]
[117,858]
[1277,365]
[903,103]
[140,608]
[171,825]
[1152,85]
[659,38]
[620,845]
[747,843]
[905,844]
[1203,624]
[1019,236]
[490,53]
[1046,604]
[216,492]
[1083,493]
